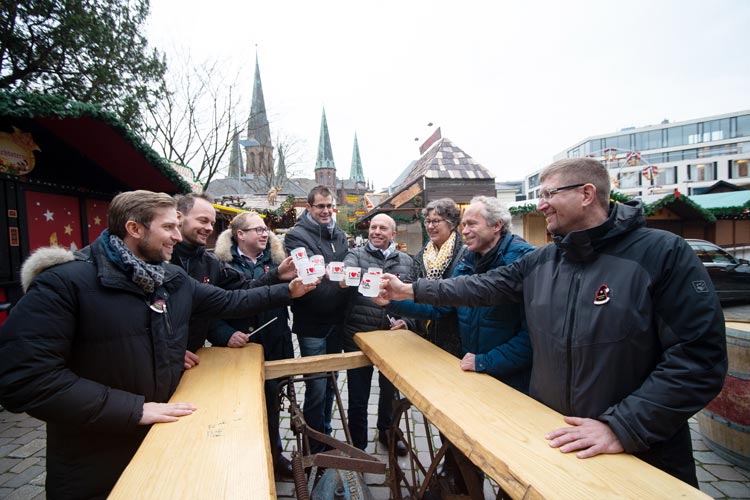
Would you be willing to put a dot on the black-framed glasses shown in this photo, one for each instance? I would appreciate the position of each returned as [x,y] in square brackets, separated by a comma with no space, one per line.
[433,222]
[259,229]
[546,194]
[324,206]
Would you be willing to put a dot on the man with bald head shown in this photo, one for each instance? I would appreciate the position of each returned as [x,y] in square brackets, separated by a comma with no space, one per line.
[363,315]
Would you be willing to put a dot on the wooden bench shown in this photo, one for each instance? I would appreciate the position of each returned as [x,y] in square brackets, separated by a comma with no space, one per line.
[502,431]
[221,450]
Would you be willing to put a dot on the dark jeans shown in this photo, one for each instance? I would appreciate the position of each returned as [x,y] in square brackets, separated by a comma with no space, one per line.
[319,394]
[359,381]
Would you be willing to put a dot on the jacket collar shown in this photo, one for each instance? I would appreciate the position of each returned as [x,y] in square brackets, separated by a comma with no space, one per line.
[583,245]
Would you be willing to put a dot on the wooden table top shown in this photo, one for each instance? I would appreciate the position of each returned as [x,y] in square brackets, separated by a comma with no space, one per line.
[221,450]
[502,431]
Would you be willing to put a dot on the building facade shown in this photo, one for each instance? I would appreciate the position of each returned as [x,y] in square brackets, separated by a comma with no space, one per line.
[688,156]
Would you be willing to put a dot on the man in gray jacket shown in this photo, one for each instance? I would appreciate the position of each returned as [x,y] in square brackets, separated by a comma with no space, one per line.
[625,324]
[363,315]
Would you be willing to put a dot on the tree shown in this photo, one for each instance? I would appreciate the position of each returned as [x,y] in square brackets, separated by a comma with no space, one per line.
[193,124]
[90,51]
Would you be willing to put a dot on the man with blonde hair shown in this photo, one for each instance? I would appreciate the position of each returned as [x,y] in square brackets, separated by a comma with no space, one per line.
[625,324]
[253,250]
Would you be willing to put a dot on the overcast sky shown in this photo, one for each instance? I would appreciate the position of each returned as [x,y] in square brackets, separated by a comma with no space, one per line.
[511,83]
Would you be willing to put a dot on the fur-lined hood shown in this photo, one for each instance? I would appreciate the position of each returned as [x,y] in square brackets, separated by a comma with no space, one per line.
[41,260]
[224,244]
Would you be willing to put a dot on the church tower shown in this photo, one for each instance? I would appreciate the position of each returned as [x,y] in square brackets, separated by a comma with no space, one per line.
[356,174]
[258,147]
[325,168]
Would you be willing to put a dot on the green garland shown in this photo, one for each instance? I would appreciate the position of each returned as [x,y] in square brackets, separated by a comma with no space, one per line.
[30,105]
[285,216]
[651,208]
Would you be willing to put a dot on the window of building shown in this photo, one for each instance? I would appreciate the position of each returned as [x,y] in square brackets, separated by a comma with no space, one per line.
[534,181]
[743,126]
[716,130]
[738,169]
[629,179]
[702,172]
[666,175]
[648,140]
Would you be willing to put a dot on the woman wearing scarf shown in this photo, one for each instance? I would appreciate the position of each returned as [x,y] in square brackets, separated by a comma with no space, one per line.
[436,261]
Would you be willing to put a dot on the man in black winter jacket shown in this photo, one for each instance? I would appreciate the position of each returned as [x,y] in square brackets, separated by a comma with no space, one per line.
[625,324]
[96,346]
[197,219]
[318,317]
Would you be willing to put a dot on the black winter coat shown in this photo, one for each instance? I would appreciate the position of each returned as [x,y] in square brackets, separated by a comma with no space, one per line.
[276,338]
[625,326]
[83,350]
[206,268]
[363,315]
[326,305]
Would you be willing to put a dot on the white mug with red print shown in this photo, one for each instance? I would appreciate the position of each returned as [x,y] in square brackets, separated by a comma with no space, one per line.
[370,285]
[352,275]
[336,271]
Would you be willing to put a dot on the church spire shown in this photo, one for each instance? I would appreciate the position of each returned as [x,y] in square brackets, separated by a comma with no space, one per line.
[258,147]
[235,157]
[325,153]
[356,174]
[257,124]
[281,166]
[325,168]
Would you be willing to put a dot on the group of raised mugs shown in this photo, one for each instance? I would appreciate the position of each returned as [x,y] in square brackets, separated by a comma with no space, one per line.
[313,267]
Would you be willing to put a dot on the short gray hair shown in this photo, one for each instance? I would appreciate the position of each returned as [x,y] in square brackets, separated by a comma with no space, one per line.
[494,212]
[445,208]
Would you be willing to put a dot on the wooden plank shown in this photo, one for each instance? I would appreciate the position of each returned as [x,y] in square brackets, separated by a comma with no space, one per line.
[221,450]
[502,431]
[315,364]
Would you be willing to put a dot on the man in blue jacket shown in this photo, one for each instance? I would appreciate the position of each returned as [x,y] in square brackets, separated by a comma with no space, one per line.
[626,326]
[494,339]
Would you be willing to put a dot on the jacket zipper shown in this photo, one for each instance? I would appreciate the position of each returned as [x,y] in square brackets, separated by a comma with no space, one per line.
[569,340]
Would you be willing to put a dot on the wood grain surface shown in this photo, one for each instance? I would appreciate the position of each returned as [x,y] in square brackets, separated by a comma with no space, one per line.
[502,431]
[222,449]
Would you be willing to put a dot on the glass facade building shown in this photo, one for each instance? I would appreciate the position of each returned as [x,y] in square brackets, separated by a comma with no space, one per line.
[689,156]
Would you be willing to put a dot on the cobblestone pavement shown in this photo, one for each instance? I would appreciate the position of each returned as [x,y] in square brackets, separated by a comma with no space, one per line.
[23,452]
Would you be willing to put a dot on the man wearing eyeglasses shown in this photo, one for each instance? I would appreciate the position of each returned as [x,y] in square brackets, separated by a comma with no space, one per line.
[198,216]
[250,248]
[625,325]
[318,318]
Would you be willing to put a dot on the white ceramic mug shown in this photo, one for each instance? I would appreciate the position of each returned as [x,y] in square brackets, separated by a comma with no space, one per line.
[298,254]
[336,271]
[320,264]
[352,275]
[308,273]
[370,285]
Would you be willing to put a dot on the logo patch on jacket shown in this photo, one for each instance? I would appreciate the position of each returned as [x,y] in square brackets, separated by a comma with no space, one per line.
[206,279]
[602,295]
[159,305]
[700,286]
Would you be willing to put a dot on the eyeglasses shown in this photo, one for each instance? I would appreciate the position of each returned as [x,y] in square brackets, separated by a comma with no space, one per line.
[323,206]
[259,229]
[433,222]
[547,194]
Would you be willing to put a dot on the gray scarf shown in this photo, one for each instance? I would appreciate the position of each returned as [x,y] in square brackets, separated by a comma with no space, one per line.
[147,276]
